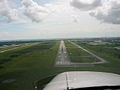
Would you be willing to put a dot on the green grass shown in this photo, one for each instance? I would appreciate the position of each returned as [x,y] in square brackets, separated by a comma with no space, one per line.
[1,49]
[109,54]
[30,64]
[41,83]
[9,55]
[10,47]
[74,53]
[26,66]
[37,62]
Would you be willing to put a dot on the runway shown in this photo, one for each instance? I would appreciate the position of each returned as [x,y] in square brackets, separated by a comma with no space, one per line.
[63,59]
[62,56]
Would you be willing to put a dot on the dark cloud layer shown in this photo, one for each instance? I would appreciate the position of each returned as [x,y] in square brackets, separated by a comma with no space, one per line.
[85,6]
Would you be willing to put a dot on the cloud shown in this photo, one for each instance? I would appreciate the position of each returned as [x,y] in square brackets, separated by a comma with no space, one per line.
[104,10]
[85,4]
[109,12]
[34,11]
[9,14]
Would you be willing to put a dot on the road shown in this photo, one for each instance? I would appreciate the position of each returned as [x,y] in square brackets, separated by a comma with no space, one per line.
[25,45]
[63,59]
[8,50]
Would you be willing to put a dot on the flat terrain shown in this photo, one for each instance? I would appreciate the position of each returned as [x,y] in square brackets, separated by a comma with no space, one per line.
[100,60]
[21,67]
[63,59]
[9,48]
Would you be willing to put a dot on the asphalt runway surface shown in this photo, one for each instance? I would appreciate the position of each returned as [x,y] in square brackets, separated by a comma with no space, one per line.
[62,56]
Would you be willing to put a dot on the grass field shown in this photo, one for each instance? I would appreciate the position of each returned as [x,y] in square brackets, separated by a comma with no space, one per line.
[26,65]
[74,50]
[108,53]
[78,55]
[14,47]
[2,49]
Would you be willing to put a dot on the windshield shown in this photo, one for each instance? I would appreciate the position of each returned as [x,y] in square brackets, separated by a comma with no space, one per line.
[41,39]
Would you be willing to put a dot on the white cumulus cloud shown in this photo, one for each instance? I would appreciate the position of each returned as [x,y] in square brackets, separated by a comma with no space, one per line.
[109,12]
[34,11]
[104,10]
[9,14]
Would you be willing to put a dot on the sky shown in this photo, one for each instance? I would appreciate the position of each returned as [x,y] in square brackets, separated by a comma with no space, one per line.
[51,19]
